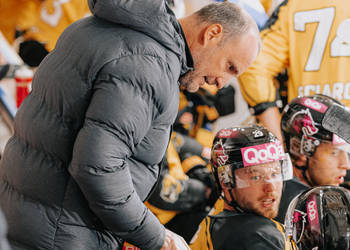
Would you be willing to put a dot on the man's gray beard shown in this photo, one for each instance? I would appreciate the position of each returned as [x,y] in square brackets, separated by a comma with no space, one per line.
[187,82]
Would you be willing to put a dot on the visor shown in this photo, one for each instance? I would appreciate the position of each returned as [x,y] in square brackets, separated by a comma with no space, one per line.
[269,155]
[295,222]
[341,144]
[270,172]
[289,218]
[337,120]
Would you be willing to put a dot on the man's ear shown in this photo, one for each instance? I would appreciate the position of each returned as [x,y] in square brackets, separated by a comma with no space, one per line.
[301,161]
[212,34]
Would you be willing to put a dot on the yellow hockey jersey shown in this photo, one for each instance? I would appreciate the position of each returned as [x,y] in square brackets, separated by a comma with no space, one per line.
[11,12]
[311,39]
[49,18]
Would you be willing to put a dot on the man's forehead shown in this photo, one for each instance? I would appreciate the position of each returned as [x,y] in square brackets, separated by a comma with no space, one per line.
[330,145]
[242,51]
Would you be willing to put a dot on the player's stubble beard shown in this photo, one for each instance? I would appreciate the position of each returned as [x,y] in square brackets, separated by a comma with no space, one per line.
[251,206]
[188,82]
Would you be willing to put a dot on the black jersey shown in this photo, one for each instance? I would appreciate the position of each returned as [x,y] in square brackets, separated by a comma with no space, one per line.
[291,189]
[231,230]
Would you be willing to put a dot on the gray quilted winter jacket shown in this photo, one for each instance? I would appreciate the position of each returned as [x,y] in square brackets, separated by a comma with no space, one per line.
[90,135]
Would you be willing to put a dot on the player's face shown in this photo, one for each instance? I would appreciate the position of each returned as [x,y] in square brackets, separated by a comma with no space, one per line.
[218,63]
[259,188]
[328,165]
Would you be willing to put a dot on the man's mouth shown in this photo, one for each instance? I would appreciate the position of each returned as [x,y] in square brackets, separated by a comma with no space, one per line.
[268,202]
[206,80]
[340,179]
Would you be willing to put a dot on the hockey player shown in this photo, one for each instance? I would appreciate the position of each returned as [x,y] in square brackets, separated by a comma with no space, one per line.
[249,165]
[319,156]
[319,219]
[309,38]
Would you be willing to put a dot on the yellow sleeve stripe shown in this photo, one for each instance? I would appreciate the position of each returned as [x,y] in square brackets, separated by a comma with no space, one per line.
[280,227]
[192,161]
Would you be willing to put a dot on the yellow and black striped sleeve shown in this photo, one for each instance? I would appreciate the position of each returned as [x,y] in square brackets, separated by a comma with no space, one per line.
[257,83]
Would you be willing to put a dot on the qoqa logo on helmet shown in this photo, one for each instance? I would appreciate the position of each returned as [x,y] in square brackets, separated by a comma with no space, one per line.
[312,213]
[262,153]
[315,105]
[311,210]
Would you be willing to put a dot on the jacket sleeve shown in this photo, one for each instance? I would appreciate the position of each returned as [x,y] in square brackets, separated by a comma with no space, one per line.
[4,245]
[257,83]
[118,117]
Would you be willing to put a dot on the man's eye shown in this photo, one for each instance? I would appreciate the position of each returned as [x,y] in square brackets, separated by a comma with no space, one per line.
[335,152]
[233,69]
[274,175]
[255,178]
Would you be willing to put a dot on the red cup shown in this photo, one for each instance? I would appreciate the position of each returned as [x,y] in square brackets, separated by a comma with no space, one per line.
[23,78]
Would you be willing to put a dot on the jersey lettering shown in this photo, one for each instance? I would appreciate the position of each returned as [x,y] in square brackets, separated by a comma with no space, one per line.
[340,46]
[341,43]
[338,90]
[324,18]
[54,17]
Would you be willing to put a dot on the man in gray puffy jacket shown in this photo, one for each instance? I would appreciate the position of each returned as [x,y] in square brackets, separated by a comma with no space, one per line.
[90,135]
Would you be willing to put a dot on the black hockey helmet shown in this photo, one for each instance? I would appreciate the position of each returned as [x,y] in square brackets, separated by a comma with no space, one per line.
[242,147]
[302,127]
[319,218]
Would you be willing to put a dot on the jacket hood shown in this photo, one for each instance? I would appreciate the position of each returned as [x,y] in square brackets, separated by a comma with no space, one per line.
[151,17]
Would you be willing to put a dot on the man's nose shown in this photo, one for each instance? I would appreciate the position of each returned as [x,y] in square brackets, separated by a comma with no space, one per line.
[269,186]
[221,82]
[344,161]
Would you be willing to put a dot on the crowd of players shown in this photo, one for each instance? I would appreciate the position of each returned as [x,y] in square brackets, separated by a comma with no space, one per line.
[237,186]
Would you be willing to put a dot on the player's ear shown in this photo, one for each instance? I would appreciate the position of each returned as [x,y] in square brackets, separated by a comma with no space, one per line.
[212,34]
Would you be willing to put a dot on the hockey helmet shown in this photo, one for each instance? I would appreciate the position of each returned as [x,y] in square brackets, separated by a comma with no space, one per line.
[319,218]
[302,127]
[241,148]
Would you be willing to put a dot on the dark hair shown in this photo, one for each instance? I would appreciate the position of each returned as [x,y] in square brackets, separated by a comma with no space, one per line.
[232,18]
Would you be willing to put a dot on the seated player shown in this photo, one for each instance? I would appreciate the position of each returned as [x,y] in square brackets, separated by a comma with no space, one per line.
[319,156]
[249,165]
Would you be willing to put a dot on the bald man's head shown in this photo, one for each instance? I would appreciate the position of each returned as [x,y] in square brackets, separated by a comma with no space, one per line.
[234,19]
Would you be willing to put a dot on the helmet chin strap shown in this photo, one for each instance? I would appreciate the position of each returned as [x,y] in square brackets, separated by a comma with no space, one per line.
[233,203]
[303,170]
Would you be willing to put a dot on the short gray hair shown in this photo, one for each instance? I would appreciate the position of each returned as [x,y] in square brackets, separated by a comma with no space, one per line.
[234,20]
